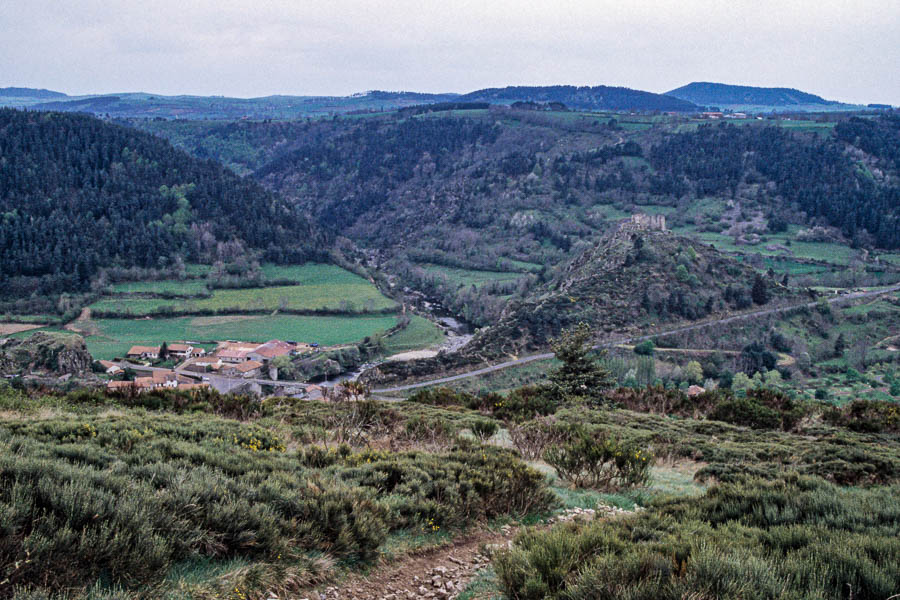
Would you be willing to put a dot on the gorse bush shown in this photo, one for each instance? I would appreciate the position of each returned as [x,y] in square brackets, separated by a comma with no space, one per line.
[123,497]
[484,429]
[520,404]
[800,539]
[759,409]
[599,460]
[870,416]
[532,438]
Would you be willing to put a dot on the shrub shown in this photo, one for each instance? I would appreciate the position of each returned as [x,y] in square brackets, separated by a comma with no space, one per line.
[532,438]
[800,538]
[599,461]
[869,416]
[759,409]
[645,348]
[523,403]
[484,429]
[126,495]
[430,431]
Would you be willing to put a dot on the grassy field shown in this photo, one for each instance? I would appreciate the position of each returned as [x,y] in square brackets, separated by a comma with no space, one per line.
[187,287]
[113,337]
[832,253]
[316,287]
[420,333]
[353,294]
[466,277]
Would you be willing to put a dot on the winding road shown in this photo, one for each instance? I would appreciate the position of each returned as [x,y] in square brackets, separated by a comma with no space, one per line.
[630,340]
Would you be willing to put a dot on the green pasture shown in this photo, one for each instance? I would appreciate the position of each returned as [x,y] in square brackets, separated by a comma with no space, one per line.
[466,277]
[113,337]
[187,287]
[319,287]
[420,333]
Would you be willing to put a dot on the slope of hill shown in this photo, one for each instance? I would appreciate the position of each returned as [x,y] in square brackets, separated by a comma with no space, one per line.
[77,194]
[20,92]
[707,93]
[599,97]
[450,199]
[143,105]
[632,280]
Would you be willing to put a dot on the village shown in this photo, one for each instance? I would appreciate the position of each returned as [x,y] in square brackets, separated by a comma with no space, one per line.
[230,365]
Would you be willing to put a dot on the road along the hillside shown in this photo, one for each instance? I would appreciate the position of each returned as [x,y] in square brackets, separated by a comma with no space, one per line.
[630,340]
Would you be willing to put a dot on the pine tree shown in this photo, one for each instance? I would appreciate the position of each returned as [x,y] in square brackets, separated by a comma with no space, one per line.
[580,377]
[760,292]
[840,344]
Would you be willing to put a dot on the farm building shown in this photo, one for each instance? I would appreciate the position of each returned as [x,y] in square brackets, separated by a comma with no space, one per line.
[247,369]
[151,352]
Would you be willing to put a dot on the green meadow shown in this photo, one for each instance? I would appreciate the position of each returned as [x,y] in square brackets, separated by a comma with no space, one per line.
[109,338]
[318,287]
[420,333]
[466,277]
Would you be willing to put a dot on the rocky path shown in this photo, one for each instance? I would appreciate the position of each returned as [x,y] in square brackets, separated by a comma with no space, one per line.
[442,573]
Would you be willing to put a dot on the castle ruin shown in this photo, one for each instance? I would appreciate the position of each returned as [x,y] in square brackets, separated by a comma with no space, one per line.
[642,222]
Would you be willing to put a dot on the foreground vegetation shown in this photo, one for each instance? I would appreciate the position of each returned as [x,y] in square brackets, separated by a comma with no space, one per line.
[797,538]
[126,496]
[199,495]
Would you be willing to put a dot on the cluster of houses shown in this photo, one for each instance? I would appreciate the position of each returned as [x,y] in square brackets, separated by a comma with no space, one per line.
[161,378]
[231,358]
[153,352]
[245,359]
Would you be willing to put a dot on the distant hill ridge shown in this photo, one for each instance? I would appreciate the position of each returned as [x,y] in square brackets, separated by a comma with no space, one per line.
[706,93]
[600,97]
[20,92]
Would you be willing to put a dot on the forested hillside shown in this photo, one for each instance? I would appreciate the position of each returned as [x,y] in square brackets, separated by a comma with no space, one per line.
[706,93]
[446,200]
[815,180]
[78,194]
[600,97]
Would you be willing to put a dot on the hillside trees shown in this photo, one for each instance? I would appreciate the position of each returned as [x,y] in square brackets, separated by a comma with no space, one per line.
[78,194]
[813,176]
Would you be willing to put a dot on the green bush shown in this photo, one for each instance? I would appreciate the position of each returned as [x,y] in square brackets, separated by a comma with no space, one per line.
[802,539]
[645,348]
[869,416]
[760,409]
[600,461]
[484,429]
[522,404]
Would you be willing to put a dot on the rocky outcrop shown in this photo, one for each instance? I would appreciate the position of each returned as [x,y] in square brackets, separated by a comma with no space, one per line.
[45,352]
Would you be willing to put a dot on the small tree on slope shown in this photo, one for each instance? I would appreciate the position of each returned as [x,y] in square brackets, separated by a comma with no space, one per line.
[580,377]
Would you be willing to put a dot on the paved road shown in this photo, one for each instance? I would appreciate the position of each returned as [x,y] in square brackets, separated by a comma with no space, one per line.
[630,340]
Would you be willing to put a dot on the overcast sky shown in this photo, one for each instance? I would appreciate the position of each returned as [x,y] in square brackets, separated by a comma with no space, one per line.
[842,50]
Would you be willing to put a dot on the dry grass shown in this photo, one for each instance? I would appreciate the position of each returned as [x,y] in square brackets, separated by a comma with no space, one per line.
[11,328]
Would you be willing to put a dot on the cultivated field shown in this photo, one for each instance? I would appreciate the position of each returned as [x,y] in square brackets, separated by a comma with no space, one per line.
[420,333]
[113,337]
[467,277]
[319,287]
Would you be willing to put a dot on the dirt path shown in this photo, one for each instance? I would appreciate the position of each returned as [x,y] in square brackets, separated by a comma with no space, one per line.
[440,573]
[78,325]
[11,328]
